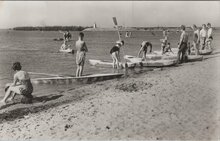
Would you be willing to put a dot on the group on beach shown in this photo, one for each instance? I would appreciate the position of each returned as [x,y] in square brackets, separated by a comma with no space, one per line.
[202,39]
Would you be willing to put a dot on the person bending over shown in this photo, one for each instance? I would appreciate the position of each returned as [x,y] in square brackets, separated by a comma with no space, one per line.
[144,48]
[115,54]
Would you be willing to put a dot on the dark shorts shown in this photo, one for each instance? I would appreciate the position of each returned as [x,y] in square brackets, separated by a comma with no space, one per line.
[183,47]
[211,38]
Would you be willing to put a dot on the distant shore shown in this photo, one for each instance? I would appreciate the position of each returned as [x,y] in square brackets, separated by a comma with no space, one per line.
[89,28]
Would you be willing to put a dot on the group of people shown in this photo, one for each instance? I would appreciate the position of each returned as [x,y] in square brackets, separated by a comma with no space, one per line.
[22,84]
[66,35]
[201,39]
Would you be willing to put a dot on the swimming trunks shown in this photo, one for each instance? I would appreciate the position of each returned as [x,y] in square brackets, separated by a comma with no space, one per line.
[114,49]
[80,57]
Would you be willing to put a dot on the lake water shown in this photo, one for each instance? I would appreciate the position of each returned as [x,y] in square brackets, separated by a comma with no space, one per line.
[37,52]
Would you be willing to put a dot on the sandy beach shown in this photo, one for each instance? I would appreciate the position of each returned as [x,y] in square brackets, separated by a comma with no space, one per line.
[178,103]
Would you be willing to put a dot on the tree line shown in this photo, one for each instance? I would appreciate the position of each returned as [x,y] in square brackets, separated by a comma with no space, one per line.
[51,28]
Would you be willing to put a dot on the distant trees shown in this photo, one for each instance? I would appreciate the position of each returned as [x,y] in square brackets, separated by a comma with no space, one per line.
[51,28]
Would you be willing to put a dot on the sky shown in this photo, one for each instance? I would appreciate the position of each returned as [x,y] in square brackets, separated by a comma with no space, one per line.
[128,13]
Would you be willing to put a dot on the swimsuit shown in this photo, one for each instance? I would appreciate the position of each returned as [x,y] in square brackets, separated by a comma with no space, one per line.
[114,49]
[80,57]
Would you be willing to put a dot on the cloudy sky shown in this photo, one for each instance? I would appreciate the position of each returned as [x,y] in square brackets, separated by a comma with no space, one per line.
[128,13]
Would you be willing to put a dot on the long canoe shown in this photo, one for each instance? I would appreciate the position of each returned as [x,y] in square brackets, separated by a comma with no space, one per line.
[203,52]
[150,63]
[71,79]
[110,64]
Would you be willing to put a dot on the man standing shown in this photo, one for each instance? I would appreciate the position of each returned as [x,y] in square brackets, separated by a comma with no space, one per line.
[209,36]
[196,39]
[80,54]
[203,36]
[182,45]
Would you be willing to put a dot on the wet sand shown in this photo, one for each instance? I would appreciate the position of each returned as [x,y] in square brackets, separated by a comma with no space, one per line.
[178,103]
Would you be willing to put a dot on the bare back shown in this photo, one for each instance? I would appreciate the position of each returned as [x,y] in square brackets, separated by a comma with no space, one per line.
[81,46]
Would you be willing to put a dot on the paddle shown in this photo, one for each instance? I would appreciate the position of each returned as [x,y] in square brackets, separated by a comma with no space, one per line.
[119,36]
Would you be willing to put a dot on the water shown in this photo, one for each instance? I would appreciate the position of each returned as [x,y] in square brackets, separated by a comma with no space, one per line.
[37,52]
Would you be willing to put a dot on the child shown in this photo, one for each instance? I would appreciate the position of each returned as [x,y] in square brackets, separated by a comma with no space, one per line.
[168,48]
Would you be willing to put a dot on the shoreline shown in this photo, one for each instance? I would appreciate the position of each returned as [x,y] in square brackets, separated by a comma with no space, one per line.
[178,103]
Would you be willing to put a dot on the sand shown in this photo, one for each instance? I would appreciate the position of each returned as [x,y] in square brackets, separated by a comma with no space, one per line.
[178,103]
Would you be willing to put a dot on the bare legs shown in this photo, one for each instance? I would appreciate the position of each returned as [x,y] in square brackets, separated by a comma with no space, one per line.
[79,70]
[115,63]
[10,93]
[196,48]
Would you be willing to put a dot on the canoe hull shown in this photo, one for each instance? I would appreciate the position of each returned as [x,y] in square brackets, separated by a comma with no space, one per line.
[71,79]
[150,63]
[101,63]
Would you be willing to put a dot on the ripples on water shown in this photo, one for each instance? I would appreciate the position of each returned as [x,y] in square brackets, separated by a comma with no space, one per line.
[37,51]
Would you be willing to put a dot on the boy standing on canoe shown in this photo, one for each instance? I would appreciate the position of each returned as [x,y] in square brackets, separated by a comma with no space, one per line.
[196,39]
[203,36]
[81,49]
[209,36]
[144,48]
[115,54]
[183,44]
[164,41]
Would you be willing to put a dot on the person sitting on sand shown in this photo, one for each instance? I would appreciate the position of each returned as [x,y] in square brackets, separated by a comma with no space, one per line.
[203,36]
[182,45]
[21,85]
[164,40]
[144,48]
[209,36]
[64,46]
[196,39]
[81,49]
[115,54]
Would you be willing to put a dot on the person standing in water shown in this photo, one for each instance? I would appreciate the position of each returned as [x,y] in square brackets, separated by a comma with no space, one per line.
[183,45]
[203,36]
[115,54]
[81,49]
[144,49]
[21,85]
[196,39]
[164,40]
[209,36]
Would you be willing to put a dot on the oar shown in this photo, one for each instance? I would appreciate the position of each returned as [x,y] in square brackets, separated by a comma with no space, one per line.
[119,36]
